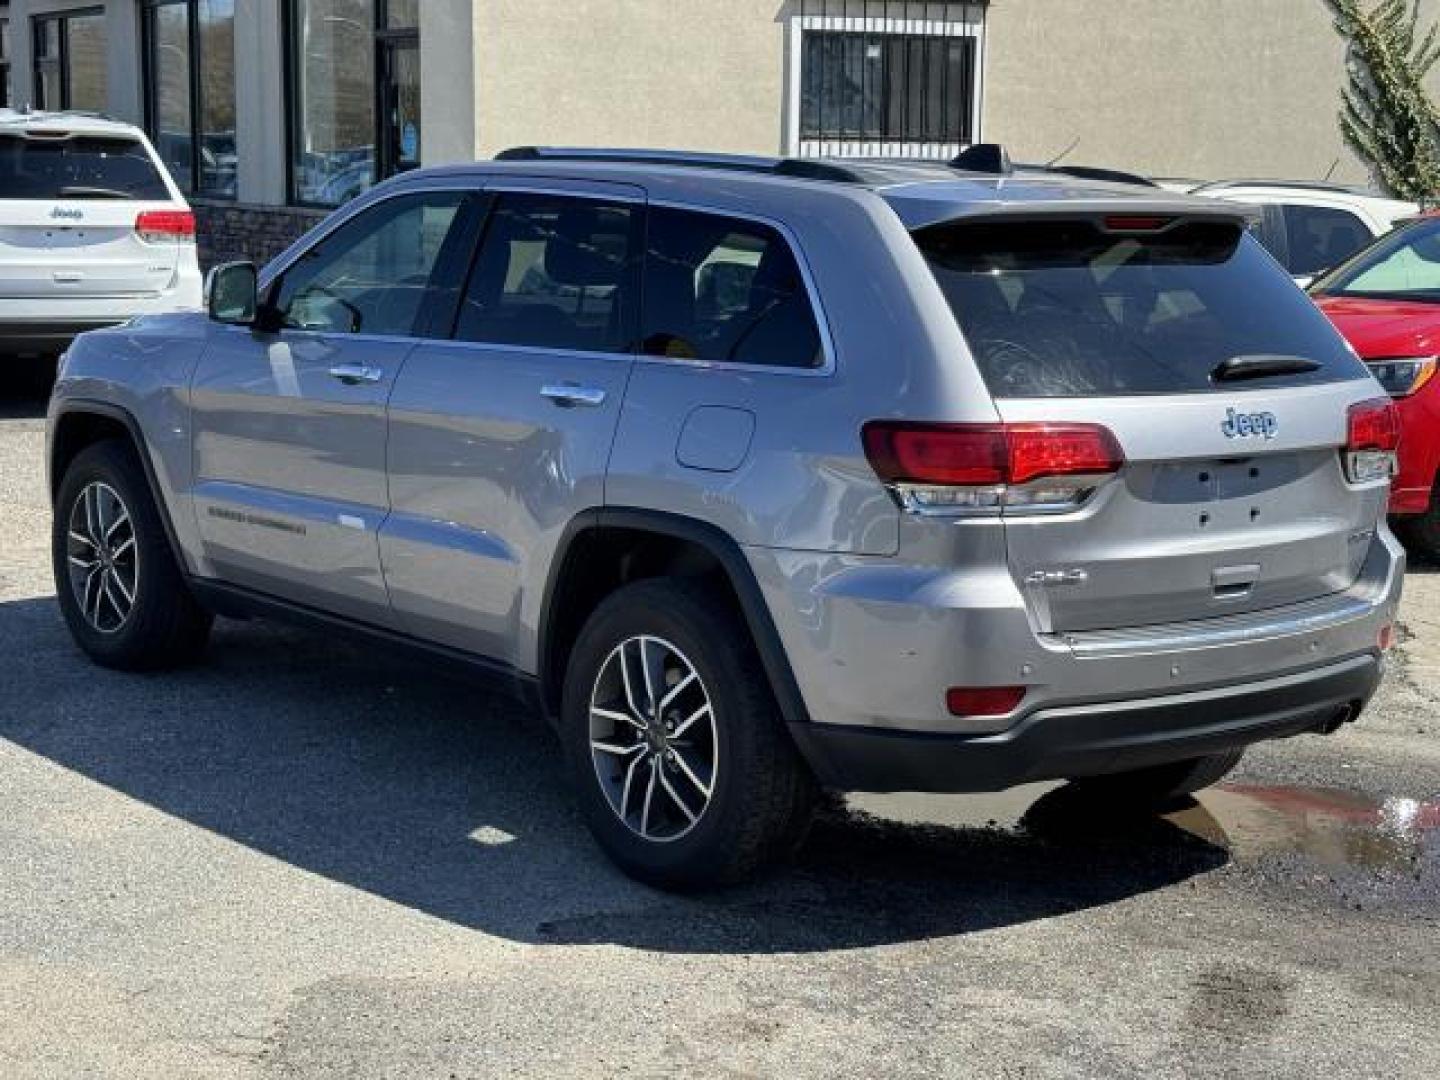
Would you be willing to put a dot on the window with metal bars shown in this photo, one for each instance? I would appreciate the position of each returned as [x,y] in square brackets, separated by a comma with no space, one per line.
[888,77]
[887,87]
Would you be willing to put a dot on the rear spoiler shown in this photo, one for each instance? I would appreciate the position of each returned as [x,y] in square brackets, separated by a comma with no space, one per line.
[919,209]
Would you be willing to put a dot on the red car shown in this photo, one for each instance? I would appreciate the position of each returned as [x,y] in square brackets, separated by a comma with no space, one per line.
[1386,301]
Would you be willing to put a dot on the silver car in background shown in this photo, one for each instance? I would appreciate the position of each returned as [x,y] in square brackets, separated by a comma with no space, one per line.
[763,476]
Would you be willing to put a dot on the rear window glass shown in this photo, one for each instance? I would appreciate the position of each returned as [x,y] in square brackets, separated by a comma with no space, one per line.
[1066,309]
[79,168]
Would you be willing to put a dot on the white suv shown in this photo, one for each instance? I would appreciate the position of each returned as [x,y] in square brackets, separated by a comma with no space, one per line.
[93,230]
[1310,227]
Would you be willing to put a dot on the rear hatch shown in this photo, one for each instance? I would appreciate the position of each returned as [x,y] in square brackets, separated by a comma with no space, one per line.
[71,211]
[1226,391]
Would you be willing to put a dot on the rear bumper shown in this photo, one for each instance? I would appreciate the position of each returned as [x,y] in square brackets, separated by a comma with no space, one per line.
[1092,740]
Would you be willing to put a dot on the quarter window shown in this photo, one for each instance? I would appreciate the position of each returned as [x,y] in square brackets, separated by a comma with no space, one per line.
[190,105]
[555,273]
[1321,238]
[374,274]
[70,66]
[722,289]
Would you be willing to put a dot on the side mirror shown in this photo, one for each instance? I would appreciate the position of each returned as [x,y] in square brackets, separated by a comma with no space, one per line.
[232,293]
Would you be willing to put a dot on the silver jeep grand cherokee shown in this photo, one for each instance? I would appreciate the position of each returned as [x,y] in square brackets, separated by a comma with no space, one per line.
[763,476]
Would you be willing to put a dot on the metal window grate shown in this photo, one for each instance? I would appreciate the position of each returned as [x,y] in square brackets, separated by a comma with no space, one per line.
[895,78]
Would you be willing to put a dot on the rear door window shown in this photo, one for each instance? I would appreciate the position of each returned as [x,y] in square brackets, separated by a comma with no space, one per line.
[78,168]
[1320,238]
[1066,308]
[555,272]
[723,289]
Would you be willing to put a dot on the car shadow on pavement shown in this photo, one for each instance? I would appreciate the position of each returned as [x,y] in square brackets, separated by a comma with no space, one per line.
[25,390]
[383,776]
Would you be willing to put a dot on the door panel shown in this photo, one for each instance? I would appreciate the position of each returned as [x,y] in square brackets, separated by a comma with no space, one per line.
[485,473]
[499,439]
[290,426]
[290,466]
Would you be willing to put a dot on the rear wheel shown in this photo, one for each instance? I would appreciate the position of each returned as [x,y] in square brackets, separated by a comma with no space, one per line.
[684,771]
[1146,789]
[119,587]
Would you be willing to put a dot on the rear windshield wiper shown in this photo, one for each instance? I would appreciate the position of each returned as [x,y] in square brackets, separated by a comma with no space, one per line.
[80,192]
[1262,366]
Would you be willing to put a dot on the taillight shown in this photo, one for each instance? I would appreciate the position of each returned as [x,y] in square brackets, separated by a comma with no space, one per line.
[166,226]
[1372,440]
[962,468]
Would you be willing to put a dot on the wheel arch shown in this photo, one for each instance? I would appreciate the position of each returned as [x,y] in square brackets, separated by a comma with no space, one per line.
[590,563]
[80,423]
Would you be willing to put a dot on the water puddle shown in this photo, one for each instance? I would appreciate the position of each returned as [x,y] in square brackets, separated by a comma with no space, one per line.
[1325,827]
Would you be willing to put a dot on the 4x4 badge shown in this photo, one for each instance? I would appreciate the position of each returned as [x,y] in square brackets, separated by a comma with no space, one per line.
[1249,425]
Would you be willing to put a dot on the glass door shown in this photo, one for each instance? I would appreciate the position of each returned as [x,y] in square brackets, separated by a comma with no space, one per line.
[400,104]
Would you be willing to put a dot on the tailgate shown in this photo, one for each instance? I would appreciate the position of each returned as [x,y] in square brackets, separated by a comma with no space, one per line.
[1202,520]
[80,248]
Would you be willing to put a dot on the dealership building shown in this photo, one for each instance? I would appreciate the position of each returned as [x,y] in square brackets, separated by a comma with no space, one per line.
[268,112]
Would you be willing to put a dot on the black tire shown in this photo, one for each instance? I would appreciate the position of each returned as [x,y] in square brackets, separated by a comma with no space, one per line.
[1420,533]
[164,627]
[762,795]
[1155,787]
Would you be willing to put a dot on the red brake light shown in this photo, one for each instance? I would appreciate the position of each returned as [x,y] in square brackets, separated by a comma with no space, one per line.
[165,226]
[962,455]
[988,455]
[1374,425]
[1136,223]
[983,700]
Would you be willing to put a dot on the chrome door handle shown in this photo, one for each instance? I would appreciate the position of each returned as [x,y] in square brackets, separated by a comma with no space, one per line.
[570,396]
[354,374]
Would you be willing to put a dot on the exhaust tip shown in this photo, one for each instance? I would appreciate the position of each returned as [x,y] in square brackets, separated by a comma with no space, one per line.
[1346,714]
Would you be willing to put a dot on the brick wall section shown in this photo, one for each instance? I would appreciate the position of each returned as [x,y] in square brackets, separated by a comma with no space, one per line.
[234,232]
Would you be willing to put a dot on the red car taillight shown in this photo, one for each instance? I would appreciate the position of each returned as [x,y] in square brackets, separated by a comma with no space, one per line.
[958,468]
[1372,441]
[166,226]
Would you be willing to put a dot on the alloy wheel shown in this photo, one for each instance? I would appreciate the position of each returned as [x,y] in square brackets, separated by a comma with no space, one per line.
[103,558]
[653,739]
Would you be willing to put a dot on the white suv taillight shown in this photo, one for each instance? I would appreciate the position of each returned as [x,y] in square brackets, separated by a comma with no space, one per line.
[1372,441]
[954,469]
[166,227]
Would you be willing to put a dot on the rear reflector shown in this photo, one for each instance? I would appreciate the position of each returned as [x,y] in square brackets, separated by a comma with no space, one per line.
[1372,440]
[1386,638]
[988,455]
[165,226]
[983,700]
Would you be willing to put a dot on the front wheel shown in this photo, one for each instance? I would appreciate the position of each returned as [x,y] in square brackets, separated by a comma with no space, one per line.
[119,587]
[683,768]
[1152,788]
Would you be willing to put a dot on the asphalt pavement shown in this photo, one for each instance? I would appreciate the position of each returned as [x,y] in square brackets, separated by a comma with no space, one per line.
[308,858]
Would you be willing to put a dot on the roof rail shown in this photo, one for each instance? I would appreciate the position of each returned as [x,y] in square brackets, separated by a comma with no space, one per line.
[1303,185]
[994,160]
[797,168]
